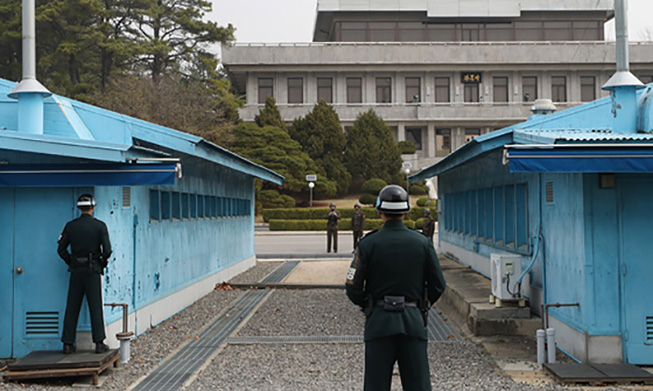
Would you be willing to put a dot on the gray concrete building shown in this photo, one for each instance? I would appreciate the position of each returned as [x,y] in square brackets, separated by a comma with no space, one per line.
[439,72]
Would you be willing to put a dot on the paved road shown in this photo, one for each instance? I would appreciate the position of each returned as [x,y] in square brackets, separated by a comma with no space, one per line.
[300,243]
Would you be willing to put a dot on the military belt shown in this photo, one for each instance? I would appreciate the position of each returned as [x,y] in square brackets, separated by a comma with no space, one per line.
[406,303]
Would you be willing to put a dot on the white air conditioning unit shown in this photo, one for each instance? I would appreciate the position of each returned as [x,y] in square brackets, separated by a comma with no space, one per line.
[506,269]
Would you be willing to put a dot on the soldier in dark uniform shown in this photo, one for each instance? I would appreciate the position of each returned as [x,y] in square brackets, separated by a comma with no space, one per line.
[428,228]
[90,250]
[332,228]
[395,277]
[357,224]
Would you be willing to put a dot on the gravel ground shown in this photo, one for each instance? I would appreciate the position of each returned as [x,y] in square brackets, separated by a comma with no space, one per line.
[315,312]
[460,366]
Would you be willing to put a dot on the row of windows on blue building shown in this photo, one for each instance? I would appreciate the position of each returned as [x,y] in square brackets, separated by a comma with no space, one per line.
[495,215]
[174,205]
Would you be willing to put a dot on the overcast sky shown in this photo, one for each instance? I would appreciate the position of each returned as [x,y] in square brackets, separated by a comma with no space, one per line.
[278,21]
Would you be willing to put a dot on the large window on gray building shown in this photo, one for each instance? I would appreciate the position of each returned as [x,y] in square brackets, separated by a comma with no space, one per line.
[470,32]
[413,90]
[500,89]
[587,88]
[354,90]
[352,31]
[412,32]
[442,32]
[325,89]
[497,32]
[383,90]
[442,91]
[529,88]
[264,88]
[383,31]
[442,142]
[471,93]
[557,31]
[295,90]
[415,135]
[559,88]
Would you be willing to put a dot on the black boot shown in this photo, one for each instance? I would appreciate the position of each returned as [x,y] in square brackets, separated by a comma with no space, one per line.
[68,349]
[101,347]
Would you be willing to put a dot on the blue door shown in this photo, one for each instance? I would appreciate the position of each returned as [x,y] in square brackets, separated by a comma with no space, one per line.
[6,269]
[39,291]
[637,271]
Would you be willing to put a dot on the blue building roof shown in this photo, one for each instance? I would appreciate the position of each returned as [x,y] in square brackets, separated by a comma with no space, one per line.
[78,130]
[589,124]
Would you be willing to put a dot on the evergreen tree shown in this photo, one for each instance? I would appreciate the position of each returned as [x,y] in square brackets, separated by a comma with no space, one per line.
[321,136]
[371,151]
[273,148]
[10,39]
[270,115]
[173,32]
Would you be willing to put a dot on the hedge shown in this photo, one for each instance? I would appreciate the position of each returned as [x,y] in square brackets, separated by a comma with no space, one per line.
[418,190]
[427,202]
[320,214]
[373,186]
[367,199]
[320,225]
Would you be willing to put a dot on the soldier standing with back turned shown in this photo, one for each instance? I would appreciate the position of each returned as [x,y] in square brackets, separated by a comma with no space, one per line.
[90,251]
[357,224]
[332,228]
[395,277]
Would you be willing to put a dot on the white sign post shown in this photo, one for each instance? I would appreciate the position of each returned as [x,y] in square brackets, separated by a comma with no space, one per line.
[311,185]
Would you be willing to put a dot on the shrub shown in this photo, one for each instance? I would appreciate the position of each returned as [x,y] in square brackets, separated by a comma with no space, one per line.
[320,225]
[312,214]
[418,190]
[419,223]
[374,186]
[427,202]
[367,199]
[406,147]
[272,199]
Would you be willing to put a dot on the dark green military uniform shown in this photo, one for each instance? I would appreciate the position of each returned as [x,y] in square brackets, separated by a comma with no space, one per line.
[428,229]
[332,230]
[86,236]
[357,225]
[395,261]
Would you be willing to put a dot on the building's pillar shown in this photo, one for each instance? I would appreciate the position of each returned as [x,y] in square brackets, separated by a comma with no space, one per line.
[281,89]
[340,88]
[545,91]
[401,131]
[251,89]
[399,88]
[310,90]
[369,88]
[573,87]
[430,139]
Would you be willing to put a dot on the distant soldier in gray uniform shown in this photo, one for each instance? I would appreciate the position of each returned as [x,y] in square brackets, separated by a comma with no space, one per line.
[357,224]
[332,228]
[88,239]
[395,277]
[428,228]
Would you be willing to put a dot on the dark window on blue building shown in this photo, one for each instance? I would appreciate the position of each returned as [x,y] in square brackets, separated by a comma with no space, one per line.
[521,205]
[165,206]
[509,216]
[176,205]
[498,214]
[489,213]
[155,205]
[193,206]
[200,206]
[185,206]
[474,213]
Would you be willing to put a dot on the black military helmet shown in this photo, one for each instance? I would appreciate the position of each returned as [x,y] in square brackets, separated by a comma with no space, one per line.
[393,200]
[332,204]
[85,201]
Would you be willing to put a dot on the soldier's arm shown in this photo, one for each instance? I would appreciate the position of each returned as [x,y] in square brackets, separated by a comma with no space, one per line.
[355,284]
[106,243]
[434,277]
[62,249]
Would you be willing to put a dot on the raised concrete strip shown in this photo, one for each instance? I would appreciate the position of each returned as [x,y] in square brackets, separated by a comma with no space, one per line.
[467,297]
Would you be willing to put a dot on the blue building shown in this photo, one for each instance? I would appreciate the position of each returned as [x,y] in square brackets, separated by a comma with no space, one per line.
[570,191]
[179,210]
